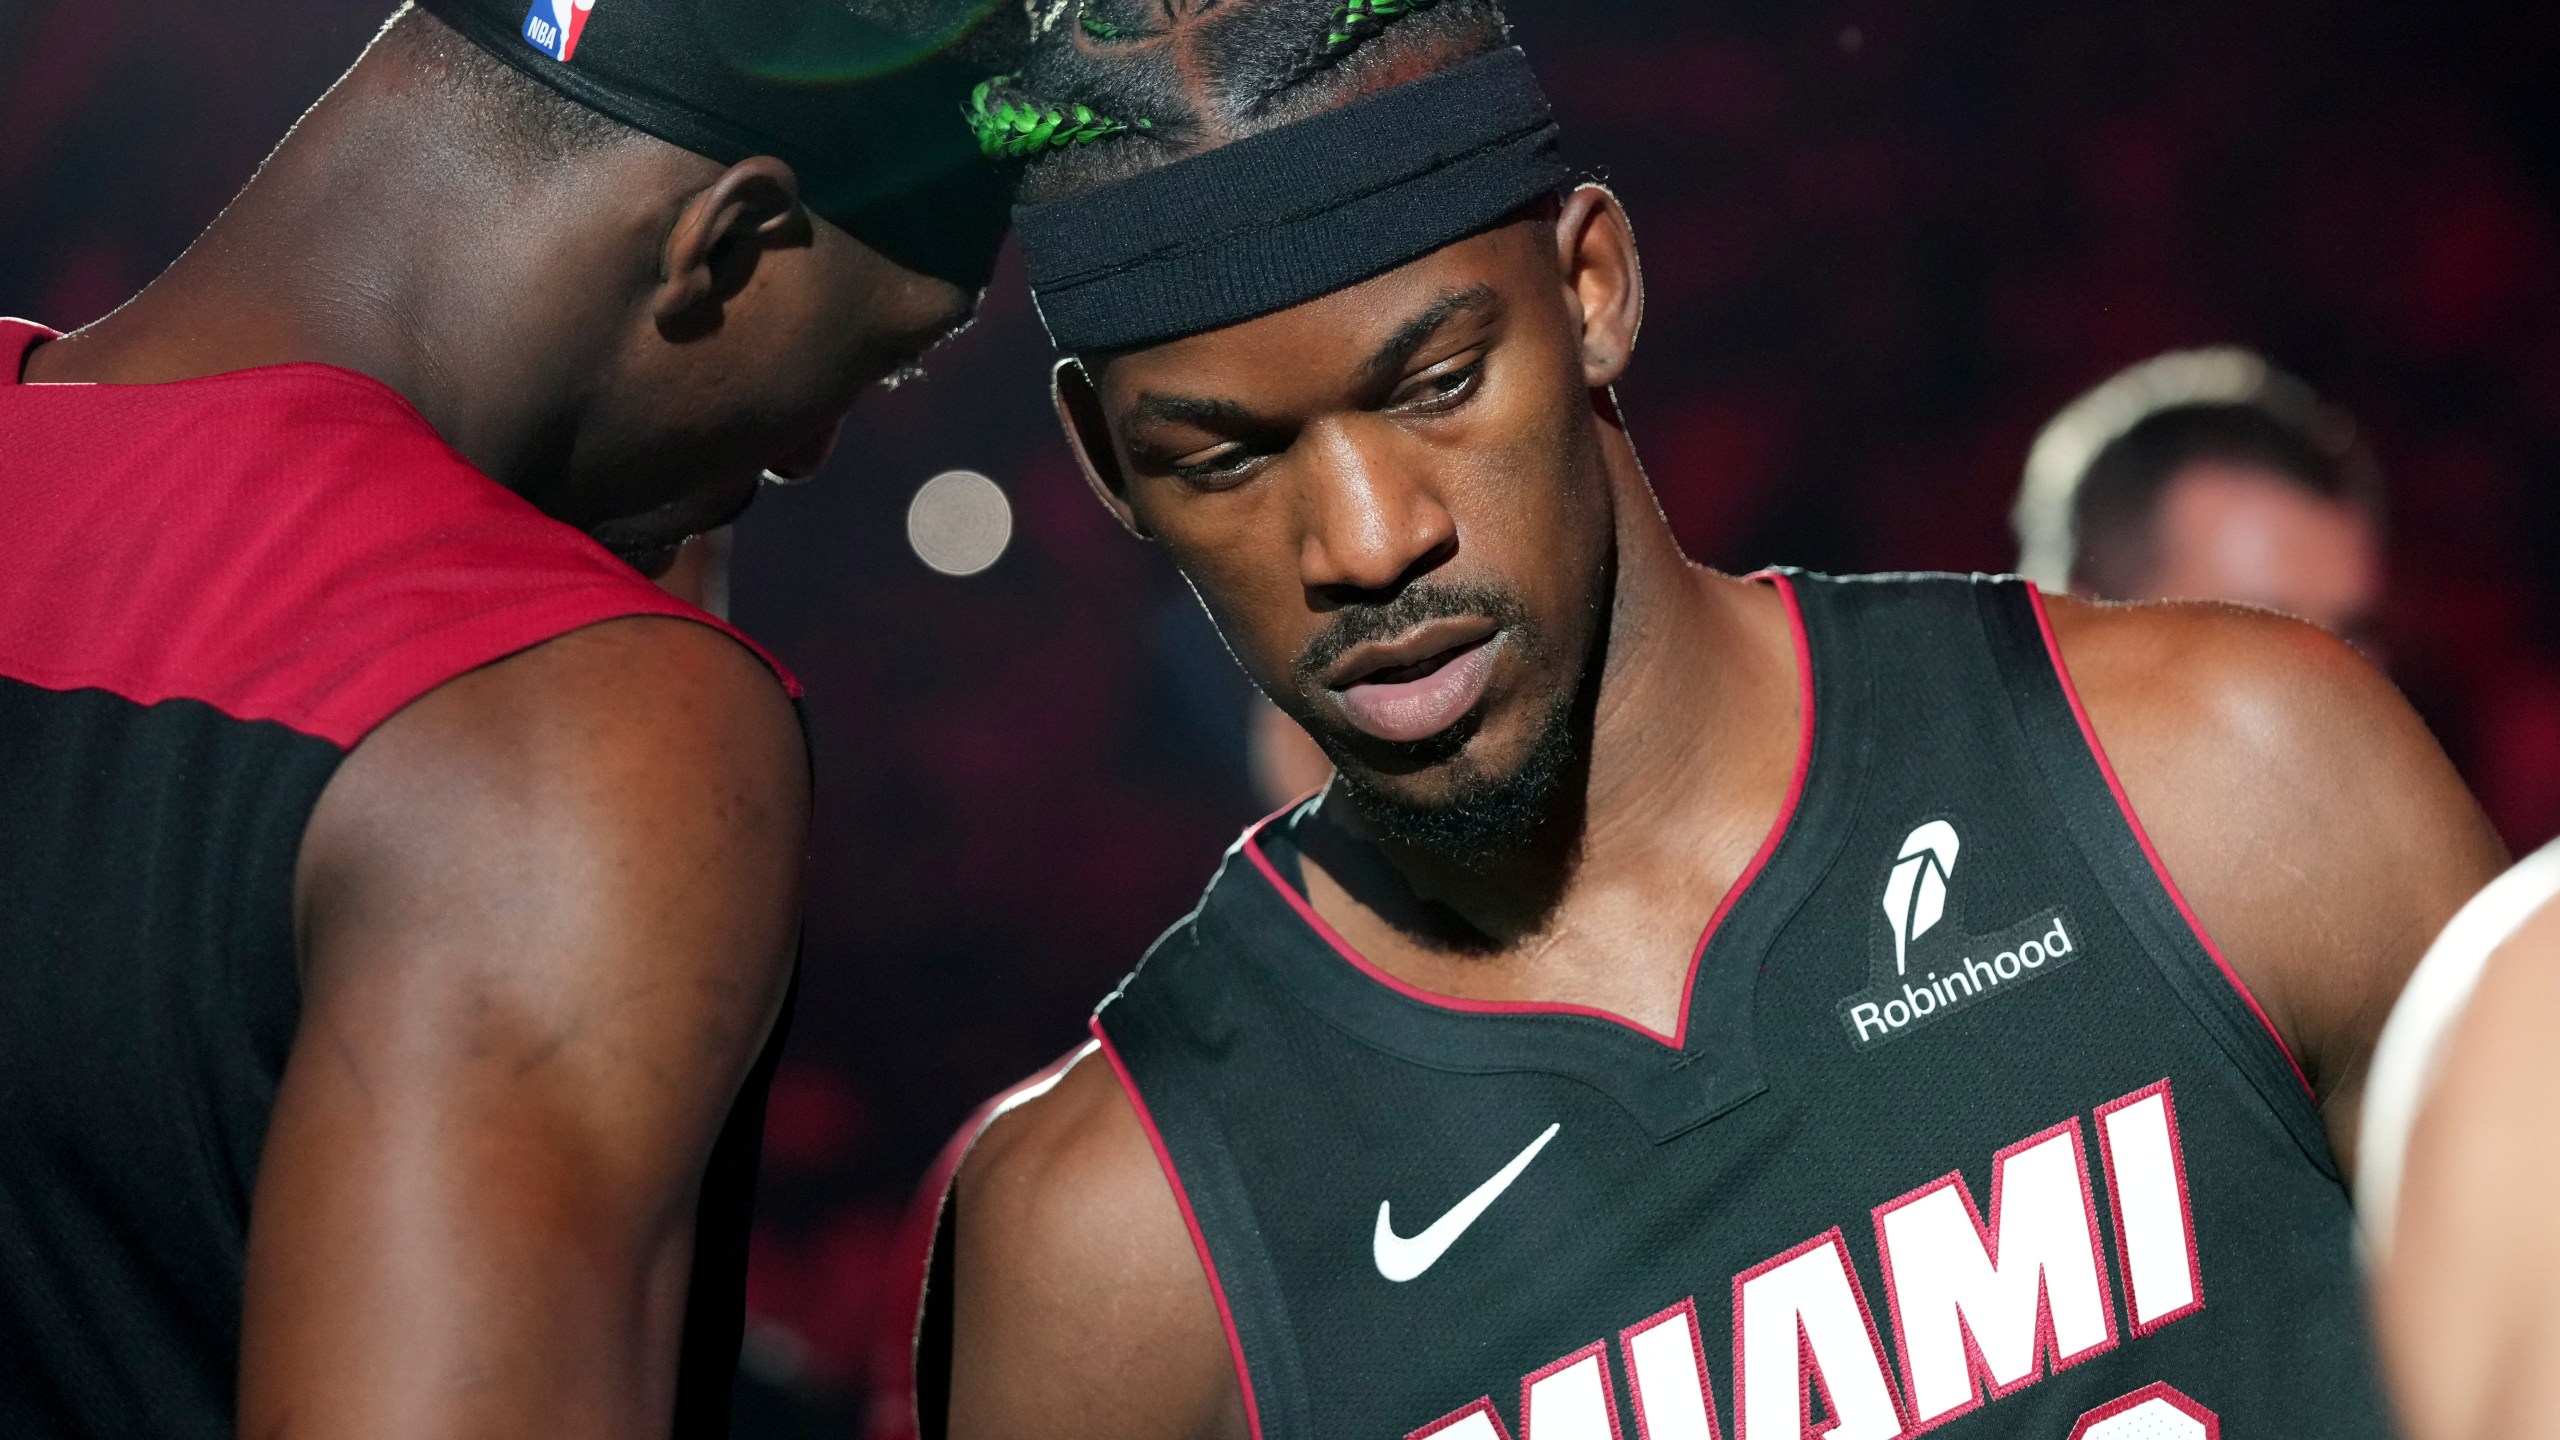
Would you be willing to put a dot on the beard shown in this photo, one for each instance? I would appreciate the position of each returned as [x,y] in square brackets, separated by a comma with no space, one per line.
[1481,816]
[648,541]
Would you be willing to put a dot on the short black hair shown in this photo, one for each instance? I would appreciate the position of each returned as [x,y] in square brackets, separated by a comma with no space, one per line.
[1126,86]
[2121,490]
[511,113]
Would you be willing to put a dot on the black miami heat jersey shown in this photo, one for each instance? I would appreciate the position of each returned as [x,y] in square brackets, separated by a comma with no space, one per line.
[210,592]
[1967,1125]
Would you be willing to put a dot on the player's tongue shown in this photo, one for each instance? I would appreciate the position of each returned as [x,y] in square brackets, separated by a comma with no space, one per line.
[1416,702]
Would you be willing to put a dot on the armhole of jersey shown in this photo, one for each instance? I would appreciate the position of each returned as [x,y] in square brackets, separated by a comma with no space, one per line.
[927,1255]
[422,662]
[782,674]
[2093,810]
[1191,1222]
[2142,837]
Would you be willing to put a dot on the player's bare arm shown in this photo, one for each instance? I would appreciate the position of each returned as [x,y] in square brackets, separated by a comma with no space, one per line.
[1080,1308]
[547,915]
[2298,802]
[2464,1301]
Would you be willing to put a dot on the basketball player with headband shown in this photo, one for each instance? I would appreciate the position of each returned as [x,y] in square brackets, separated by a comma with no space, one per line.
[1701,1005]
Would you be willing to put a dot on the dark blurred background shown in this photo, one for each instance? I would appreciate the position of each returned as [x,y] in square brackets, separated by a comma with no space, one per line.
[1884,241]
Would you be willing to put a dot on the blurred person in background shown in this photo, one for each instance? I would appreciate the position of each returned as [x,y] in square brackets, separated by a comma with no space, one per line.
[2207,475]
[402,892]
[1665,937]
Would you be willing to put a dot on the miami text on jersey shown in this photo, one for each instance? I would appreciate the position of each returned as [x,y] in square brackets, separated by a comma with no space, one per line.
[1978,1311]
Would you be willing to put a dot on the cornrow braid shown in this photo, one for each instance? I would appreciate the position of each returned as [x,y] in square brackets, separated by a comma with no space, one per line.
[1010,128]
[1201,73]
[1354,23]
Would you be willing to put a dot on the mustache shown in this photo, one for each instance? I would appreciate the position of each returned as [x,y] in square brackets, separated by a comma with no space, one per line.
[1358,625]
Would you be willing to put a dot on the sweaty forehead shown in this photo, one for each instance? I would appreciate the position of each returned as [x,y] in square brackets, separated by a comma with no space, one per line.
[1339,341]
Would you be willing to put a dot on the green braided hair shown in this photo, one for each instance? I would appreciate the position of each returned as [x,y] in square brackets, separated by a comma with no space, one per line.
[1012,129]
[1354,22]
[1203,73]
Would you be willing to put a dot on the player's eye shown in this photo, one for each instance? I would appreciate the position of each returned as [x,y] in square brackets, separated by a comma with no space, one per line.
[1212,469]
[1442,388]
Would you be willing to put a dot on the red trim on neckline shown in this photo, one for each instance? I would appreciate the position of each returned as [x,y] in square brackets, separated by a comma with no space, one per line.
[1252,845]
[2124,803]
[1190,1221]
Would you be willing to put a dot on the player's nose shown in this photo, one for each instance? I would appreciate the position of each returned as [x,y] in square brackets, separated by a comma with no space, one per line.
[1366,522]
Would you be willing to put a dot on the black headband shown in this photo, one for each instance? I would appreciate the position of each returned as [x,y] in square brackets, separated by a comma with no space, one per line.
[1280,218]
[868,116]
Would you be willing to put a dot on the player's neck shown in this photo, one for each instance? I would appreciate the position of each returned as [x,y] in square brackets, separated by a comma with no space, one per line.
[356,249]
[1693,735]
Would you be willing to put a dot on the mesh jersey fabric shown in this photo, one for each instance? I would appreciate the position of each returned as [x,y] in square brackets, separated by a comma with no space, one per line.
[214,589]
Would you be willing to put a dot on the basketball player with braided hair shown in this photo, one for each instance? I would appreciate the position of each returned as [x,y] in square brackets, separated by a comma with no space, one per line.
[1701,1005]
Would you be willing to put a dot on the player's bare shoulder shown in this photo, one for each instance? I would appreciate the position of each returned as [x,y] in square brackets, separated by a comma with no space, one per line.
[1071,1163]
[2298,802]
[2241,722]
[1080,1308]
[2171,672]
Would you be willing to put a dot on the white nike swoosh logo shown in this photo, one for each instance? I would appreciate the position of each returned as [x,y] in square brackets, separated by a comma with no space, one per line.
[1400,1258]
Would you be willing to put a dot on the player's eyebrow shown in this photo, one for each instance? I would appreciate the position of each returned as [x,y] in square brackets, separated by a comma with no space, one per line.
[1390,358]
[1222,415]
[1226,416]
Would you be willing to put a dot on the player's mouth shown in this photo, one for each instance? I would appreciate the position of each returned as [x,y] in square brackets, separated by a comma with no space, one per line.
[1419,685]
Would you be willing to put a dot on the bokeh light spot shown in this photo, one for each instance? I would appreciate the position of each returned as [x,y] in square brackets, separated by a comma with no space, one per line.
[959,522]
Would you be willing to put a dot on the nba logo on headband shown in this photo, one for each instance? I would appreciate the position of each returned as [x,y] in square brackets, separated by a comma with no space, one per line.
[553,26]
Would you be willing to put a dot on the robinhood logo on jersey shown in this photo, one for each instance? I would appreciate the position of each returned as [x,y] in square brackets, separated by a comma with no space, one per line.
[1924,966]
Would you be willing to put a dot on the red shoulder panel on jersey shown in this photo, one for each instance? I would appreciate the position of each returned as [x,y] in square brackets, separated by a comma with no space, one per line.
[292,543]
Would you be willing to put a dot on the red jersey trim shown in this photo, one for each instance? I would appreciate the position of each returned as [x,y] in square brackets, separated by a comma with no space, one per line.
[1679,1037]
[1190,1221]
[896,1391]
[292,543]
[2142,837]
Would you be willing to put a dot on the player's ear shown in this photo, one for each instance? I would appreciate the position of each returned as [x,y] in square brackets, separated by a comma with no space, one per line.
[1596,253]
[1080,412]
[718,238]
